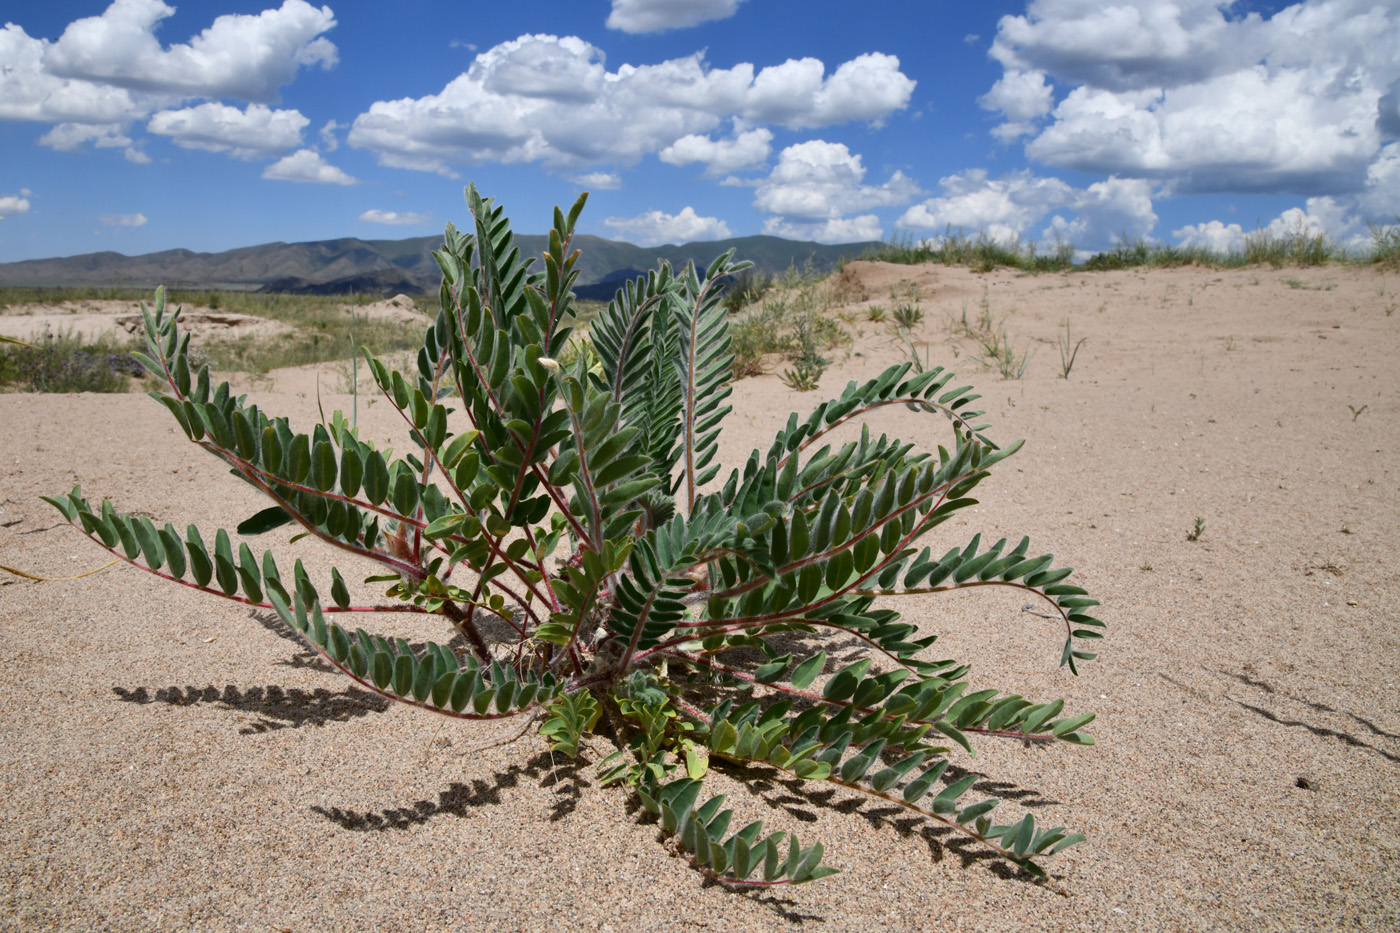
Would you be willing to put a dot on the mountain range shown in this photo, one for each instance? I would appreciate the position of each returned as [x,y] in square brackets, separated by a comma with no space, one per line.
[395,266]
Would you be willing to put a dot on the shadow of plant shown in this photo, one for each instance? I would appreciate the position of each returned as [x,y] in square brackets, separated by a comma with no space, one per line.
[801,801]
[1323,731]
[459,799]
[276,708]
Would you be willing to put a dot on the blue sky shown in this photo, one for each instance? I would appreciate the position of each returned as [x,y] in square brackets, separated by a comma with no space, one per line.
[140,125]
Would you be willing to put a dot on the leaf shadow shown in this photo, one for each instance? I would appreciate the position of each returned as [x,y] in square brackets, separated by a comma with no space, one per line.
[799,799]
[275,707]
[1317,730]
[460,799]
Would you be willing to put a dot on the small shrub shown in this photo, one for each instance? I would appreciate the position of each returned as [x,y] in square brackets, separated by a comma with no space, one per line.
[1385,244]
[746,288]
[573,527]
[807,368]
[999,354]
[65,362]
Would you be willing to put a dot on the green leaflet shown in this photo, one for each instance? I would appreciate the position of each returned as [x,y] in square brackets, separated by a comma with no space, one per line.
[264,521]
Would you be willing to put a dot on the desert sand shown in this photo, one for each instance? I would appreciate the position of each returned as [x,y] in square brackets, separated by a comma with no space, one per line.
[173,761]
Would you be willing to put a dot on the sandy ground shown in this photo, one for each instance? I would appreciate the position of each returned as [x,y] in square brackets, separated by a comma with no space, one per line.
[172,761]
[91,319]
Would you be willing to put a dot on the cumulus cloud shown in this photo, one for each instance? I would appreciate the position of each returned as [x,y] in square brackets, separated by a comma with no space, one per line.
[255,131]
[1106,211]
[1006,208]
[1214,235]
[29,92]
[836,230]
[743,150]
[74,137]
[247,57]
[655,227]
[15,204]
[818,180]
[598,181]
[329,141]
[1003,208]
[548,99]
[813,188]
[106,71]
[1202,99]
[657,15]
[1129,44]
[1321,216]
[795,93]
[1021,95]
[307,165]
[396,218]
[124,220]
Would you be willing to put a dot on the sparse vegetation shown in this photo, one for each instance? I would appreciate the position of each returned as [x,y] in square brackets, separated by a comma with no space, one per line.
[999,354]
[65,362]
[982,252]
[1195,533]
[1069,349]
[793,321]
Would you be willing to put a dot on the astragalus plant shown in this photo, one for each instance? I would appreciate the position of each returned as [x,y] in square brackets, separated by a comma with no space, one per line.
[598,575]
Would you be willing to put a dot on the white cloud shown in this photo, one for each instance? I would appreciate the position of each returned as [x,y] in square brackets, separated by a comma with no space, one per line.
[72,137]
[242,56]
[1323,216]
[655,227]
[137,156]
[1021,95]
[657,15]
[329,141]
[307,165]
[818,180]
[106,71]
[869,87]
[124,220]
[552,100]
[1006,208]
[1213,235]
[28,92]
[1003,208]
[1107,211]
[598,181]
[815,185]
[10,204]
[1380,198]
[396,218]
[1127,44]
[246,134]
[743,150]
[836,230]
[1205,100]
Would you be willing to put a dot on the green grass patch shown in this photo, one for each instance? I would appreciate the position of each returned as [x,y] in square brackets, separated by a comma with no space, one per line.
[65,362]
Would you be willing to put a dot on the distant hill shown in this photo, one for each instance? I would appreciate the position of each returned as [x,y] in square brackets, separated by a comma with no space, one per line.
[393,266]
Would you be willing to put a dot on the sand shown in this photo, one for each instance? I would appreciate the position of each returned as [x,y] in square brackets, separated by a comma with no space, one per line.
[91,319]
[172,761]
